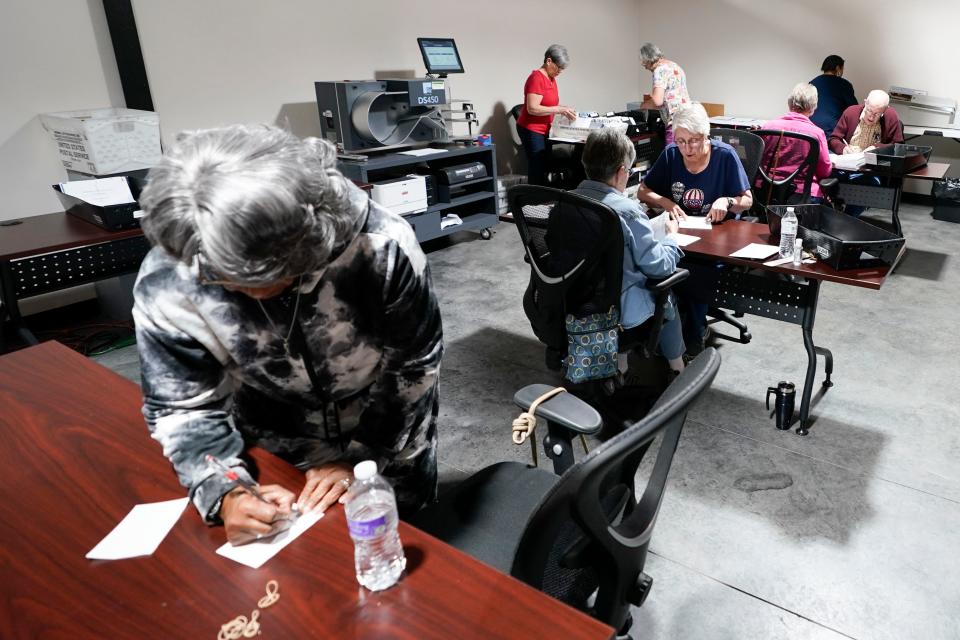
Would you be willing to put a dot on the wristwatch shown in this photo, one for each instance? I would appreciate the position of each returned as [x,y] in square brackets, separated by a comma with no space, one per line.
[730,203]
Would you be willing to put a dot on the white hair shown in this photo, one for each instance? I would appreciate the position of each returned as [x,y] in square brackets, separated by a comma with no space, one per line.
[693,118]
[803,98]
[262,204]
[878,98]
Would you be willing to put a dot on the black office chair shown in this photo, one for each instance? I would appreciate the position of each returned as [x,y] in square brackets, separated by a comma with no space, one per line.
[581,537]
[749,148]
[776,186]
[574,245]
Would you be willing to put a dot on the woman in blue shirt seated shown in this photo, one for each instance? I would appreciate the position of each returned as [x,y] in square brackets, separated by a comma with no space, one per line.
[607,158]
[696,176]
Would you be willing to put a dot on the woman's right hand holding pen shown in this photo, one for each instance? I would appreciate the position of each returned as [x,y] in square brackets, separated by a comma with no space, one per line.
[247,518]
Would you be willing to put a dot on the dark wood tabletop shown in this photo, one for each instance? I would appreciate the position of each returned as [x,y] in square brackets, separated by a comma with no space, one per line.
[52,232]
[930,171]
[733,235]
[75,457]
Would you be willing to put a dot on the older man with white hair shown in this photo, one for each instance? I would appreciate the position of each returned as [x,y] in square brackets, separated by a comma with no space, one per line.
[862,127]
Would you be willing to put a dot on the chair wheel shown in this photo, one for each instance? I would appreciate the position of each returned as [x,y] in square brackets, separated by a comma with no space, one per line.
[485,234]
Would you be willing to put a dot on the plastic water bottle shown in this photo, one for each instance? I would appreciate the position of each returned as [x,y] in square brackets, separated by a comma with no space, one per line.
[372,520]
[788,233]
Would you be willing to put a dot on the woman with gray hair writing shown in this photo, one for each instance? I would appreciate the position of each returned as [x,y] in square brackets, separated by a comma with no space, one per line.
[541,101]
[280,307]
[669,91]
[696,176]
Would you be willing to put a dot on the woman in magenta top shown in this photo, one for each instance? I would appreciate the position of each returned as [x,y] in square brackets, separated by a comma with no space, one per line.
[541,102]
[790,152]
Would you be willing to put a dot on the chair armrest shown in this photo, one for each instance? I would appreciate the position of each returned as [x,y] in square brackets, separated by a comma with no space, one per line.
[564,409]
[665,284]
[830,187]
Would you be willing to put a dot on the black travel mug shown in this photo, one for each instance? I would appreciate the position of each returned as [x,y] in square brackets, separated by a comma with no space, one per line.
[785,393]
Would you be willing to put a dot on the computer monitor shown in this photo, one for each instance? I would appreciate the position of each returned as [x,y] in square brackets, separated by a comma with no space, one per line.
[440,55]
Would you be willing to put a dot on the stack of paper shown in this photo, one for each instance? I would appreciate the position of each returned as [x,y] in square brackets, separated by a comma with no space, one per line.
[848,161]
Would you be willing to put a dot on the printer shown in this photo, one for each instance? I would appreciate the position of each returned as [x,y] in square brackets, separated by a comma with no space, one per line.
[916,108]
[403,196]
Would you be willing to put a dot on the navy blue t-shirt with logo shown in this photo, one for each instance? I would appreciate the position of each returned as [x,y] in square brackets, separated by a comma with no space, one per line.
[696,192]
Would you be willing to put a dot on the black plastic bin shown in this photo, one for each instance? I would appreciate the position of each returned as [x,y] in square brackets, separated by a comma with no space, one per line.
[839,240]
[898,159]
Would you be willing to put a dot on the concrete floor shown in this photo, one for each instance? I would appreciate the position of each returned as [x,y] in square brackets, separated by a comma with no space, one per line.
[849,532]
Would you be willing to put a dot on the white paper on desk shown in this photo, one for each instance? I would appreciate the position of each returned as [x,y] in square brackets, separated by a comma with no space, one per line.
[684,239]
[696,222]
[848,161]
[255,554]
[140,532]
[102,192]
[755,250]
[423,152]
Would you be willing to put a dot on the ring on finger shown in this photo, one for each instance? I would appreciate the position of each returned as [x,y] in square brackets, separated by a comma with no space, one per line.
[259,536]
[345,482]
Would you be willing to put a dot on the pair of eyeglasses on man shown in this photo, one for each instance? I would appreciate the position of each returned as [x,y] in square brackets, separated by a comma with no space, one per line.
[207,275]
[873,112]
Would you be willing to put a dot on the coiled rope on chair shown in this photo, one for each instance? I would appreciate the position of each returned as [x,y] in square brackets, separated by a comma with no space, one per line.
[526,422]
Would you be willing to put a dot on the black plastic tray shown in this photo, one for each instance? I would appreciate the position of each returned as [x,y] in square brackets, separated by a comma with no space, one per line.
[837,239]
[899,159]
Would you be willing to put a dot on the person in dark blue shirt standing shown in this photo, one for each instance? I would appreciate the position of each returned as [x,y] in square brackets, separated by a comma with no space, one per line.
[834,94]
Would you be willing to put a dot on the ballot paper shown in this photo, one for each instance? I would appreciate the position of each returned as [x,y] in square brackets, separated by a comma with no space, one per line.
[683,239]
[755,250]
[696,222]
[255,554]
[102,192]
[659,224]
[848,161]
[429,151]
[140,532]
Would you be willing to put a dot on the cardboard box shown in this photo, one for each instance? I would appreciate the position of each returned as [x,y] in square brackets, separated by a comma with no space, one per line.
[105,141]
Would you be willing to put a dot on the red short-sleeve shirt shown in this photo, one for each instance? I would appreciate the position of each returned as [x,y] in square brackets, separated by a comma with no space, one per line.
[540,84]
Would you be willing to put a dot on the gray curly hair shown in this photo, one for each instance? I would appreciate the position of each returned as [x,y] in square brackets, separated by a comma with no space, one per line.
[262,204]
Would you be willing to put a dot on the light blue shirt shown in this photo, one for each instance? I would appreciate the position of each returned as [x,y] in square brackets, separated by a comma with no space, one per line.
[643,256]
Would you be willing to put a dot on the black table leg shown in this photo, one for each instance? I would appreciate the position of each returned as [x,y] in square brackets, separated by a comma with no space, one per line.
[11,308]
[897,184]
[809,317]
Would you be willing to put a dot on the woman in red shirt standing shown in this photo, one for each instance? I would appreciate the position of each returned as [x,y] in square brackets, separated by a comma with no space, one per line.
[540,102]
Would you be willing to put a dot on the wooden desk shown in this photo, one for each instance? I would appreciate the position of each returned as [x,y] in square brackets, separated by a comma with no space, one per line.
[785,293]
[57,251]
[75,456]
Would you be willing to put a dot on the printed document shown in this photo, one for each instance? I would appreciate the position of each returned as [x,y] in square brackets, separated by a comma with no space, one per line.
[756,251]
[102,192]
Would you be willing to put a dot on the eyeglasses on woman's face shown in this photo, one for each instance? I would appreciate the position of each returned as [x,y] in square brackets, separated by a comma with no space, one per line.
[690,143]
[873,112]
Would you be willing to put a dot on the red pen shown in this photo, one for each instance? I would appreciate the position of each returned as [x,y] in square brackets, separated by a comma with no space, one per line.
[231,475]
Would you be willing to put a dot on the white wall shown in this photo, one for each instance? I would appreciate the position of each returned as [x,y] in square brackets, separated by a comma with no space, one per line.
[748,55]
[55,55]
[225,61]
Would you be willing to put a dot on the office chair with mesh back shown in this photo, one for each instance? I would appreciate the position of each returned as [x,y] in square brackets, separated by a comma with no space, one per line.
[574,245]
[585,532]
[749,148]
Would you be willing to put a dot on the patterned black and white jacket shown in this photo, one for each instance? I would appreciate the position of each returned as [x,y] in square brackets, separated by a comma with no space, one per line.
[217,376]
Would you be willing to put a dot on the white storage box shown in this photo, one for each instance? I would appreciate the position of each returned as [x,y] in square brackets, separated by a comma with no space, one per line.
[105,141]
[401,195]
